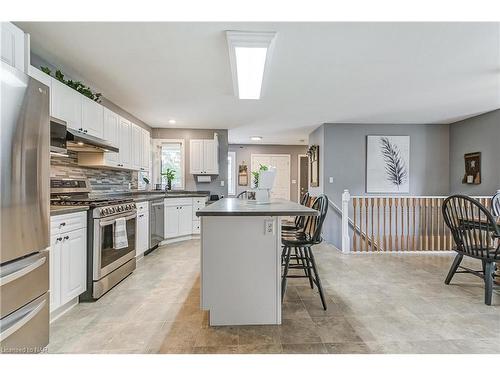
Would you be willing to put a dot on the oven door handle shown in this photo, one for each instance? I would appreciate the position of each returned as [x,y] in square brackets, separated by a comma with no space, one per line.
[112,221]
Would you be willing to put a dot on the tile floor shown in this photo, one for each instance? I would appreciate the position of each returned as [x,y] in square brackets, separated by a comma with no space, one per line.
[377,303]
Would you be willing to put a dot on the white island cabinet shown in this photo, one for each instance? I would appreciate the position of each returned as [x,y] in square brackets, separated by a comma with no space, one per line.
[241,260]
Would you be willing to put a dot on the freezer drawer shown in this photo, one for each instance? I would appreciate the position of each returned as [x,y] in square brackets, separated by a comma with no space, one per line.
[26,330]
[22,281]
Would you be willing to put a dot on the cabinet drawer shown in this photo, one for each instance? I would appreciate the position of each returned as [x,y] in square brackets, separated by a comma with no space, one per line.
[200,201]
[196,227]
[178,202]
[68,222]
[196,209]
[142,206]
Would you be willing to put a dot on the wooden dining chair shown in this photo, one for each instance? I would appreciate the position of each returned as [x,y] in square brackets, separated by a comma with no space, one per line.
[476,235]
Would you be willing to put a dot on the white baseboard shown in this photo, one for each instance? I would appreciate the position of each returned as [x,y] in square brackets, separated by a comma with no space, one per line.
[61,310]
[179,239]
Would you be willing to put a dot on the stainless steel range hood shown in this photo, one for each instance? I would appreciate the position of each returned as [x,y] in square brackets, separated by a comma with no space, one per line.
[81,142]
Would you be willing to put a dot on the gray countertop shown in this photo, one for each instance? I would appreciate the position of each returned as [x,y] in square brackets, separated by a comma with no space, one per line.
[242,207]
[61,210]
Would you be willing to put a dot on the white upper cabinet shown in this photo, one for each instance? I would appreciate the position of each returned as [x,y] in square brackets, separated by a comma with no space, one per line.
[39,76]
[211,156]
[13,51]
[196,156]
[66,104]
[92,117]
[146,150]
[125,135]
[110,133]
[204,156]
[136,143]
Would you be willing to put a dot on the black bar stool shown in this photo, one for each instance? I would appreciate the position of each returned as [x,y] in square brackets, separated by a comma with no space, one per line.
[299,220]
[476,235]
[301,241]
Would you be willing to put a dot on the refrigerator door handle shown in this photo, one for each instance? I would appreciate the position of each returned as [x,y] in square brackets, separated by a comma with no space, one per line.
[18,272]
[18,319]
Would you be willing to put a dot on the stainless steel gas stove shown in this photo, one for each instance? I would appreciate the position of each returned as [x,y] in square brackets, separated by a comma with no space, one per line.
[106,265]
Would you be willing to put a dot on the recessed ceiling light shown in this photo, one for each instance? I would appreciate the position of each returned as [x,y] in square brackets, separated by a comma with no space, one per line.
[249,56]
[256,138]
[172,122]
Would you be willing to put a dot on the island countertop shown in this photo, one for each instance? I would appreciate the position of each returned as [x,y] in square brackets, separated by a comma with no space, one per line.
[242,207]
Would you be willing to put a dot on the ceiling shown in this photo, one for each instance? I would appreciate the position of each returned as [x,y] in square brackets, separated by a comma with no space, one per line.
[320,72]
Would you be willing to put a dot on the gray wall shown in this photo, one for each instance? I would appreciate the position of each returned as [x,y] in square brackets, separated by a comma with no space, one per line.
[317,137]
[244,152]
[477,134]
[344,159]
[187,134]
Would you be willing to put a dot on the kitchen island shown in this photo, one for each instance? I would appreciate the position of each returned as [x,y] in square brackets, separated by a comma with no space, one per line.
[241,260]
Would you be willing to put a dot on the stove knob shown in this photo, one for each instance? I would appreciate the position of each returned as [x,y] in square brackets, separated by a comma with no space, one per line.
[119,208]
[111,210]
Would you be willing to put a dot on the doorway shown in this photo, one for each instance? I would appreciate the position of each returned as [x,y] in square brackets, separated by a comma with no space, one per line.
[281,187]
[303,176]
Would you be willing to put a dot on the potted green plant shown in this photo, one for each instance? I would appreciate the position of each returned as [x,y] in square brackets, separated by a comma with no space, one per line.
[170,175]
[256,174]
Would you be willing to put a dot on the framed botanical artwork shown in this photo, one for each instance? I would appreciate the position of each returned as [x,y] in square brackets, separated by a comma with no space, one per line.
[472,168]
[313,153]
[388,164]
[243,175]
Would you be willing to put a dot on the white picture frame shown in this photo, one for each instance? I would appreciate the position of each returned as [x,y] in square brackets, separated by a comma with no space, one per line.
[388,164]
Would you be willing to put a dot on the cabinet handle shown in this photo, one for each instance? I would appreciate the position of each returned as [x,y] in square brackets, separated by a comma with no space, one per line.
[66,237]
[62,224]
[85,131]
[58,239]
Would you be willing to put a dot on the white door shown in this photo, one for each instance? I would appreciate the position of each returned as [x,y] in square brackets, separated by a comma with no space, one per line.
[92,117]
[66,104]
[55,271]
[210,156]
[12,45]
[171,221]
[196,156]
[111,134]
[142,232]
[73,264]
[281,187]
[185,220]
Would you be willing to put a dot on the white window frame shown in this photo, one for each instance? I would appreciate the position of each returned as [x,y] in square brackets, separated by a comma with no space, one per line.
[160,143]
[232,155]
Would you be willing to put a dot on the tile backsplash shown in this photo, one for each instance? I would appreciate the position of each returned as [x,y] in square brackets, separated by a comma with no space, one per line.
[101,180]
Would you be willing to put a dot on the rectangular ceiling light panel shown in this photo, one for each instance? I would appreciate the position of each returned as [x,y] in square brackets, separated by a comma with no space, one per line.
[249,55]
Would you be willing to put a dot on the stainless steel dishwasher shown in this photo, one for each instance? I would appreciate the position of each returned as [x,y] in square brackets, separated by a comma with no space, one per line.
[156,223]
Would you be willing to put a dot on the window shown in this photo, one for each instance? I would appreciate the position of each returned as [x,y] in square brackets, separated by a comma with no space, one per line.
[231,173]
[172,156]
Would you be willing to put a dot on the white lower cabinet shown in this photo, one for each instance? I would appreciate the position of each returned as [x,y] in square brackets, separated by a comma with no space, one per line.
[73,264]
[180,216]
[68,258]
[142,232]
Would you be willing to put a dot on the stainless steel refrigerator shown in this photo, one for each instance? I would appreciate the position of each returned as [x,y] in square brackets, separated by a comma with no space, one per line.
[24,213]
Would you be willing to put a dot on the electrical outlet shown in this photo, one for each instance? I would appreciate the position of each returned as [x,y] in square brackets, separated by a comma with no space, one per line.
[330,180]
[222,183]
[269,226]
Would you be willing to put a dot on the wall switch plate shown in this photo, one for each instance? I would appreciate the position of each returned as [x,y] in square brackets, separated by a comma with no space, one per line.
[294,181]
[330,180]
[269,226]
[222,183]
